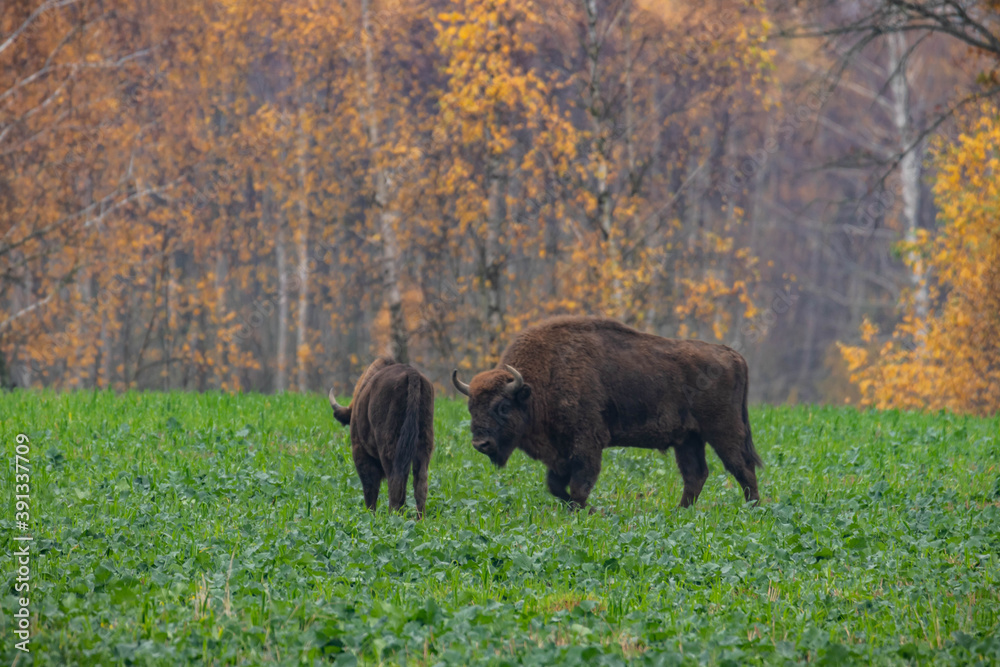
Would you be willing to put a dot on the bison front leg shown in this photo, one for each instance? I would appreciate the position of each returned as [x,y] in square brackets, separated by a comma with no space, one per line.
[583,478]
[690,456]
[557,485]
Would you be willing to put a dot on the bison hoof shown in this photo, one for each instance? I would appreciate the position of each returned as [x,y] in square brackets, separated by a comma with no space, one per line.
[574,506]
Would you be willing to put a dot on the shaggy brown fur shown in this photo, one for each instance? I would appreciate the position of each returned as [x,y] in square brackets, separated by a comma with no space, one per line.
[592,383]
[392,429]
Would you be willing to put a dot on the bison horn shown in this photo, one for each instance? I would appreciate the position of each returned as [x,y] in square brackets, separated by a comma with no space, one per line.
[340,413]
[461,386]
[518,381]
[333,401]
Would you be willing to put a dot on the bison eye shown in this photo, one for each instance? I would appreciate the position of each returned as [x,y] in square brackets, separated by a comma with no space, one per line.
[503,409]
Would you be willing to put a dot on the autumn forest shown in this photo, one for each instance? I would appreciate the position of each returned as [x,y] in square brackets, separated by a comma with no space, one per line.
[262,196]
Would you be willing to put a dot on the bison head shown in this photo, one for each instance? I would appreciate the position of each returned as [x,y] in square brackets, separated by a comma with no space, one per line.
[340,413]
[498,403]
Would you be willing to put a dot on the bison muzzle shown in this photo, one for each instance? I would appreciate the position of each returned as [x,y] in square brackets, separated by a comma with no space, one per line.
[570,387]
[391,416]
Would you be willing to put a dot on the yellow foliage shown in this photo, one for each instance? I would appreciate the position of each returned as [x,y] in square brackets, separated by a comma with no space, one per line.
[242,128]
[950,358]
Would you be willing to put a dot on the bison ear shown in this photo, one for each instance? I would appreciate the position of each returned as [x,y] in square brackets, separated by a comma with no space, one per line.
[340,413]
[523,394]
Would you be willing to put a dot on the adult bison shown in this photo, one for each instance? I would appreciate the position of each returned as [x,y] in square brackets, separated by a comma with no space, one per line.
[569,387]
[392,429]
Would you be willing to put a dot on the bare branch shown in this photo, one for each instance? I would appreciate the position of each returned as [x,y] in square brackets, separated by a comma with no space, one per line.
[47,6]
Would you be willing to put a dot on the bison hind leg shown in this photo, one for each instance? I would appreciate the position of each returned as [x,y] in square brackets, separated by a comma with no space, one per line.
[690,456]
[397,490]
[370,473]
[731,451]
[747,478]
[420,466]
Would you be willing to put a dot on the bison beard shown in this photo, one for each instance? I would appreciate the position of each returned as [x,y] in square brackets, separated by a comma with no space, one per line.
[392,430]
[570,387]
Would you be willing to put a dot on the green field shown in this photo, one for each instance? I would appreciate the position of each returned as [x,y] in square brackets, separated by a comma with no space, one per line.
[221,529]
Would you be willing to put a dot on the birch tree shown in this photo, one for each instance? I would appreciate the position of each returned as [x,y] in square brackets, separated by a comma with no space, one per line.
[388,218]
[911,152]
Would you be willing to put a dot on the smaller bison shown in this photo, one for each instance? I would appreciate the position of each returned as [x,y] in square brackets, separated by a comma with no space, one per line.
[392,429]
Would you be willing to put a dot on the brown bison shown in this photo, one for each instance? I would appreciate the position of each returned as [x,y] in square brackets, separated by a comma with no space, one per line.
[570,387]
[392,429]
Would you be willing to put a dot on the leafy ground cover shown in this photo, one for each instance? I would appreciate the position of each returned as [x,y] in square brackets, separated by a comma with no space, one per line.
[222,529]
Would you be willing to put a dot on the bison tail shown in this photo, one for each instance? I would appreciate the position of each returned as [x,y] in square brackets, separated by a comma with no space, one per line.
[406,446]
[749,452]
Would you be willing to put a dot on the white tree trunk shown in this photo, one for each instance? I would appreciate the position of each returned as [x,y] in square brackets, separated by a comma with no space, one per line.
[493,261]
[634,178]
[280,382]
[171,324]
[629,102]
[84,295]
[220,297]
[387,217]
[103,375]
[909,166]
[303,269]
[29,294]
[602,138]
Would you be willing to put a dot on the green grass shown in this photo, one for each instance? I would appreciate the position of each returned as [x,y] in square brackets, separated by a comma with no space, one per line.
[220,529]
